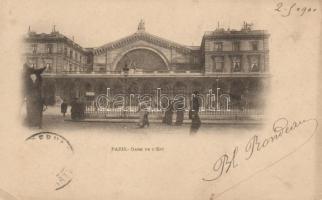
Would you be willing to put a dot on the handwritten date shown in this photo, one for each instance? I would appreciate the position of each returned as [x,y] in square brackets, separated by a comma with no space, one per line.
[287,10]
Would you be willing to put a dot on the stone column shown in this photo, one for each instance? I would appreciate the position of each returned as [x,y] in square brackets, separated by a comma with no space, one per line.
[77,88]
[266,54]
[246,93]
[262,67]
[244,63]
[227,64]
[228,81]
[208,63]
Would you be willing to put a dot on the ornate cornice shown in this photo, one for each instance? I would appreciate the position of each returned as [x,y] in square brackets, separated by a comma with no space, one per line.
[235,52]
[142,35]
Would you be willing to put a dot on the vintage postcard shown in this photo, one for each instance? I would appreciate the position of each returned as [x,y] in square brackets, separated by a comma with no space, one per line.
[160,100]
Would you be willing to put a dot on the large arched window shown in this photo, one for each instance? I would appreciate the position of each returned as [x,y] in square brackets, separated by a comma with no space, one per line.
[141,60]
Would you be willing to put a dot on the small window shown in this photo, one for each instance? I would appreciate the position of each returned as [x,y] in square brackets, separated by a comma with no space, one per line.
[49,67]
[236,46]
[49,48]
[195,60]
[254,45]
[65,68]
[34,48]
[71,54]
[218,46]
[254,67]
[33,62]
[236,65]
[218,62]
[254,64]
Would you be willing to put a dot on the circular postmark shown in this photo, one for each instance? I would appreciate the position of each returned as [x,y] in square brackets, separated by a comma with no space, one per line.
[49,155]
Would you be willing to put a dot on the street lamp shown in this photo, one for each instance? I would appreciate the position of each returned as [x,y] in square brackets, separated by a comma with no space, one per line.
[126,73]
[217,92]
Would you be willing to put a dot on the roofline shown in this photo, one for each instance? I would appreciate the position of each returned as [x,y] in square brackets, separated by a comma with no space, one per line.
[236,34]
[52,37]
[171,44]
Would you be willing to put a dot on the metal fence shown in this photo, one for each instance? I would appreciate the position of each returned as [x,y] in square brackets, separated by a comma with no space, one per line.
[91,112]
[237,109]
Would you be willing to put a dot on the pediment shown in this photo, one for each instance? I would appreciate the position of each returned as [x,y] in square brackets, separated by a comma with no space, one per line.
[142,36]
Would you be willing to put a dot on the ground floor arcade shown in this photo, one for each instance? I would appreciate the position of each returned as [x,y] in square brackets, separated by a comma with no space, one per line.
[243,93]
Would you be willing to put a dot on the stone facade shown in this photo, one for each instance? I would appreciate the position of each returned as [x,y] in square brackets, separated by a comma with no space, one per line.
[237,62]
[230,48]
[59,53]
[175,56]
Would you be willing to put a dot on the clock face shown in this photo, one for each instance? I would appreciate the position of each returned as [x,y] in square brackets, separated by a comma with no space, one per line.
[143,59]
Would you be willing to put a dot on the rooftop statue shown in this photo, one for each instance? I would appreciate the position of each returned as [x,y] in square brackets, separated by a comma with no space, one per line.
[247,26]
[141,26]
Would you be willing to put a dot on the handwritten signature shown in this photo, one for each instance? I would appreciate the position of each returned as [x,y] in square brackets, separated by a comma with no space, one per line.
[228,161]
[287,10]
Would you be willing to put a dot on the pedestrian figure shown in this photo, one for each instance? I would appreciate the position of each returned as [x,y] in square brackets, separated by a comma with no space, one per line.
[63,108]
[32,83]
[194,113]
[143,116]
[168,115]
[179,109]
[146,119]
[75,109]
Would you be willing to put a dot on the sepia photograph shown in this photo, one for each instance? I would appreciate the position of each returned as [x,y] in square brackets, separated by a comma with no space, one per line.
[160,99]
[143,77]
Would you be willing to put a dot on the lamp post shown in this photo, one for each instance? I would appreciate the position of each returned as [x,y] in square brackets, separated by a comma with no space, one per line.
[217,94]
[126,73]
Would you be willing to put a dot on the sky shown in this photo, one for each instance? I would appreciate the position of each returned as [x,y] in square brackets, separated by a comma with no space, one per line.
[94,23]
